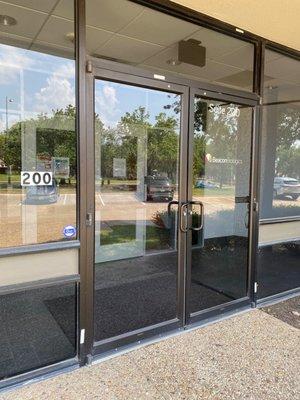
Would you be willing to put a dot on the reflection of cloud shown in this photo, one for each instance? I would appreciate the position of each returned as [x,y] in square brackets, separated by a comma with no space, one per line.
[106,102]
[12,119]
[67,70]
[58,93]
[14,59]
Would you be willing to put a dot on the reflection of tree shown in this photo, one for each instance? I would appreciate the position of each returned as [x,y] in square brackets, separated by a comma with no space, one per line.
[288,161]
[215,133]
[288,146]
[54,136]
[281,147]
[159,144]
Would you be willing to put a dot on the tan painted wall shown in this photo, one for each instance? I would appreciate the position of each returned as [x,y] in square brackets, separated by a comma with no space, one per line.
[276,20]
[283,231]
[35,267]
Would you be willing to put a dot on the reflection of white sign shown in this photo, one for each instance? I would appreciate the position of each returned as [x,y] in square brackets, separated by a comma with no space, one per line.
[119,168]
[211,159]
[231,111]
[36,178]
[43,163]
[61,167]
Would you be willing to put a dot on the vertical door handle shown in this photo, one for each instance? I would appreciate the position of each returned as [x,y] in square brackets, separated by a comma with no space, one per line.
[183,217]
[201,215]
[170,205]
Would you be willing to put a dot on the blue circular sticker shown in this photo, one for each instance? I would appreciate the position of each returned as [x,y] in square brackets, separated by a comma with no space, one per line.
[69,231]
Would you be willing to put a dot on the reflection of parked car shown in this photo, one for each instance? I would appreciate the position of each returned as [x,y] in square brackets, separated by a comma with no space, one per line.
[204,184]
[159,187]
[42,194]
[286,187]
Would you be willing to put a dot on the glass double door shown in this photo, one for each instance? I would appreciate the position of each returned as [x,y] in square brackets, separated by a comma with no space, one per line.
[171,197]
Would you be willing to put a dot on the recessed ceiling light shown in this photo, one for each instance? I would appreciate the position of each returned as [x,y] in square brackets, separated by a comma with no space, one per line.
[173,62]
[6,20]
[70,36]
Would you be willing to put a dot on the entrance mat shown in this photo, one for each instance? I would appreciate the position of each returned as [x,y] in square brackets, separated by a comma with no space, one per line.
[278,268]
[62,310]
[126,307]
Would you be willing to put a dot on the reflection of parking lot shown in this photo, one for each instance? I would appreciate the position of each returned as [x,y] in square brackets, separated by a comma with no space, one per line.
[287,201]
[22,223]
[126,206]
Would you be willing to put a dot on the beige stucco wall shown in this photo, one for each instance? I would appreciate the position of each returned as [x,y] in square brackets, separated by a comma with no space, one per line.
[276,20]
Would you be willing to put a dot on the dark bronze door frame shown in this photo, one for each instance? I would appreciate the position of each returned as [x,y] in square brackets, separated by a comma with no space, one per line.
[111,71]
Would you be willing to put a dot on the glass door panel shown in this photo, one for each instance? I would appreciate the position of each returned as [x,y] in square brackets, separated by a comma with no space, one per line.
[219,212]
[137,167]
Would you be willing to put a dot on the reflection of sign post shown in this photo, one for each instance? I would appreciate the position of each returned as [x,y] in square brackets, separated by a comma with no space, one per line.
[119,168]
[61,167]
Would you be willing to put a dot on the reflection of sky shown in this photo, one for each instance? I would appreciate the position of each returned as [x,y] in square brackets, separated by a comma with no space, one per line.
[113,100]
[37,83]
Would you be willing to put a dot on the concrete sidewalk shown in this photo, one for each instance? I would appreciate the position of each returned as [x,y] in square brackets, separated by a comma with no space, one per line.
[251,356]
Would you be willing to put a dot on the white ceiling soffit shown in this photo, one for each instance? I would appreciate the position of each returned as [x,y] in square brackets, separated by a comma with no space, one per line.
[38,5]
[64,9]
[285,68]
[158,28]
[29,22]
[128,49]
[111,15]
[55,31]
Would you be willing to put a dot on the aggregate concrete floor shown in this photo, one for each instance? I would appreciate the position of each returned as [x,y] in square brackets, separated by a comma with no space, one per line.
[253,356]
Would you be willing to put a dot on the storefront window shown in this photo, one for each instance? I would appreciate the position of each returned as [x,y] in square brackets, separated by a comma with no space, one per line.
[37,125]
[279,236]
[38,178]
[280,185]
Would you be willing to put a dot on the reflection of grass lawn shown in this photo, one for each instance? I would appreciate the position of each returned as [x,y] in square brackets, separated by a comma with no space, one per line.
[14,177]
[214,192]
[156,238]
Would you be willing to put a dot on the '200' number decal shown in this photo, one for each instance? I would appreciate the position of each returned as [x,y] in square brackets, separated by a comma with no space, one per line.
[36,178]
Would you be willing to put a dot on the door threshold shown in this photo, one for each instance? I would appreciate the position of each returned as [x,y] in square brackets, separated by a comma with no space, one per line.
[99,358]
[277,298]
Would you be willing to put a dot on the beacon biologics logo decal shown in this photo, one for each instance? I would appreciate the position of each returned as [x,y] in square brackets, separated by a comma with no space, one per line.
[211,159]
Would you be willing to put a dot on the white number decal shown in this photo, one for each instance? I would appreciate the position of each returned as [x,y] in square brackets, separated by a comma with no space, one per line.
[36,178]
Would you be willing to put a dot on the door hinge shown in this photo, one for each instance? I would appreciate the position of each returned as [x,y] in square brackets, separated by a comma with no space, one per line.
[89,66]
[255,206]
[89,219]
[82,336]
[255,287]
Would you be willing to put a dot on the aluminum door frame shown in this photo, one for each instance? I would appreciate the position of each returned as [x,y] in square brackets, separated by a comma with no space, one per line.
[214,312]
[96,71]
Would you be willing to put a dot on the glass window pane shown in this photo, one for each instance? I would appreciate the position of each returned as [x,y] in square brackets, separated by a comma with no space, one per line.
[221,182]
[37,328]
[137,135]
[37,125]
[280,176]
[278,259]
[278,262]
[165,44]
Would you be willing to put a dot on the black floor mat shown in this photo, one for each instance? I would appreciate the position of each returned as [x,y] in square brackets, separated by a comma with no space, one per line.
[278,269]
[124,308]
